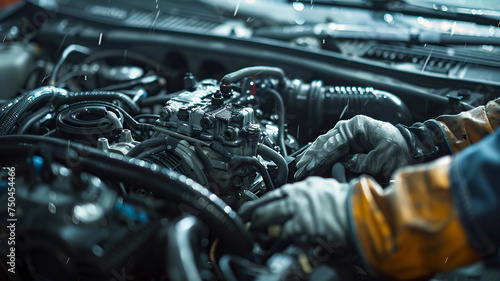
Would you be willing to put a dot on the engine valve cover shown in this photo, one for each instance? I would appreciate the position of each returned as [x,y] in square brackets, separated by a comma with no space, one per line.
[207,115]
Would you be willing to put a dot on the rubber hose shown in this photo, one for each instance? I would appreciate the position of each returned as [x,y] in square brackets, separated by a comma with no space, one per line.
[32,119]
[238,160]
[181,263]
[151,151]
[281,119]
[70,49]
[25,103]
[269,154]
[60,96]
[128,119]
[322,106]
[96,95]
[147,143]
[164,183]
[146,116]
[230,78]
[73,74]
[9,104]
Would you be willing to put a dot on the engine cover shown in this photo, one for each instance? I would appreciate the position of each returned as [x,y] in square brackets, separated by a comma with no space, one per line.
[207,115]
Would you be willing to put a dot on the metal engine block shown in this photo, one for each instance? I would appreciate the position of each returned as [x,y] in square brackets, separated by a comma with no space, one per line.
[207,115]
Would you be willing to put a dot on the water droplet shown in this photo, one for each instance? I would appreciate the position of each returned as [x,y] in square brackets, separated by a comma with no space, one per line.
[52,208]
[388,18]
[299,6]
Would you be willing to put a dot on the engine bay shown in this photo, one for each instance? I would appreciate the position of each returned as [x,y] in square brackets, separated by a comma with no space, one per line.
[129,152]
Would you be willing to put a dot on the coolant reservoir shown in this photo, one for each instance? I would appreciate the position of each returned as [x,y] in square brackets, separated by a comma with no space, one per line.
[16,60]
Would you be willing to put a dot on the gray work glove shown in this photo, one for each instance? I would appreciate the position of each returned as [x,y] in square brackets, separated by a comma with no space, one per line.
[366,146]
[311,209]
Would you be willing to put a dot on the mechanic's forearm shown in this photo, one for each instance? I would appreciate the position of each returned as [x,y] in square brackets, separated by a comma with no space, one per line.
[470,126]
[411,229]
[449,134]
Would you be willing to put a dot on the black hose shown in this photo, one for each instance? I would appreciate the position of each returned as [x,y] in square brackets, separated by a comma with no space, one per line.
[246,160]
[164,183]
[322,106]
[269,154]
[59,97]
[24,104]
[70,49]
[230,78]
[151,151]
[71,97]
[9,104]
[32,119]
[281,119]
[142,127]
[147,143]
[147,116]
[183,237]
[129,84]
[73,74]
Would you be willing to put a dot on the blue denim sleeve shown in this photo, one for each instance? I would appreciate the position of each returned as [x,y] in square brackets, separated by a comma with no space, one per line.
[475,185]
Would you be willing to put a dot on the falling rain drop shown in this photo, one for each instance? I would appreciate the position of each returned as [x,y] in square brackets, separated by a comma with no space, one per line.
[236,10]
[299,6]
[52,208]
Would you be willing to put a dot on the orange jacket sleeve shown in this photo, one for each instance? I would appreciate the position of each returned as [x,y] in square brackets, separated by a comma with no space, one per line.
[412,229]
[6,3]
[448,134]
[471,126]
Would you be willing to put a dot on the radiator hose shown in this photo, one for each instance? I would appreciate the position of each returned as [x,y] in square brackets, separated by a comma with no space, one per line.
[164,183]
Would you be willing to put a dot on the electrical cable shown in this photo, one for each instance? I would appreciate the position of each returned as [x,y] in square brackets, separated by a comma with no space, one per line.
[281,119]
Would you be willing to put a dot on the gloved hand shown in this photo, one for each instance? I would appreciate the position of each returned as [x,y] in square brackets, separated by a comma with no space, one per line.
[366,145]
[313,208]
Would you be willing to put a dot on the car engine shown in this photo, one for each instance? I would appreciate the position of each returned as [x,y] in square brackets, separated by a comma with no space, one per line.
[128,160]
[226,141]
